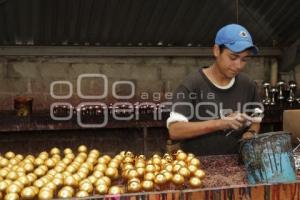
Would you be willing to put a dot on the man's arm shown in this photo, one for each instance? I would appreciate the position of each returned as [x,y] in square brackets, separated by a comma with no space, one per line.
[184,130]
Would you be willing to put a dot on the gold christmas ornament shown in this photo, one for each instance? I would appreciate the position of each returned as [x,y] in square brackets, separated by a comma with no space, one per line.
[178,179]
[86,186]
[195,182]
[192,168]
[199,173]
[54,151]
[181,156]
[195,161]
[45,194]
[81,194]
[9,155]
[185,172]
[102,189]
[149,176]
[82,148]
[160,179]
[134,186]
[11,196]
[28,193]
[147,185]
[115,190]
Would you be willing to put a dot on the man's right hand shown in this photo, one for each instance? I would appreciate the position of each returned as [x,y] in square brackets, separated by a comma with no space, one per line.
[233,121]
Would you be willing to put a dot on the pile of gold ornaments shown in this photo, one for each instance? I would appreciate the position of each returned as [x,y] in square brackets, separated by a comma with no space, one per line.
[51,175]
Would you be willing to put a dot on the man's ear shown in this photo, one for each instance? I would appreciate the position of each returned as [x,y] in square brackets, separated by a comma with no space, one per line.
[216,50]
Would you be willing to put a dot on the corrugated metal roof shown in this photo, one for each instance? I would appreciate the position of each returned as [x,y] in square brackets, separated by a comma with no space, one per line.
[144,22]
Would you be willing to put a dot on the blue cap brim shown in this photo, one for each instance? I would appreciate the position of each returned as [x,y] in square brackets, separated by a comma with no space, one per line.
[240,46]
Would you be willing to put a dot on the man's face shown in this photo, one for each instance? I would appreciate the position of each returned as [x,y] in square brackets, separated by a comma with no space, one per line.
[230,63]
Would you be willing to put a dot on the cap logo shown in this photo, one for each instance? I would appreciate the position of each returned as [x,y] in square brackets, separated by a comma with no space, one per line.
[243,34]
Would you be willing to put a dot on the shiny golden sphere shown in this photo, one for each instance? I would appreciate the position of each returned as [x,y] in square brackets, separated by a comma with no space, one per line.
[39,183]
[113,164]
[101,181]
[111,172]
[127,166]
[70,156]
[30,157]
[129,154]
[28,193]
[13,188]
[141,157]
[64,194]
[195,161]
[168,167]
[176,168]
[88,166]
[102,189]
[68,151]
[107,180]
[156,161]
[101,167]
[45,194]
[58,181]
[91,160]
[99,174]
[39,172]
[95,151]
[132,173]
[192,168]
[4,162]
[31,177]
[150,168]
[178,179]
[14,161]
[4,172]
[140,164]
[86,186]
[141,171]
[54,151]
[147,185]
[92,179]
[71,181]
[102,160]
[199,173]
[9,155]
[185,172]
[181,156]
[168,175]
[149,176]
[24,180]
[12,175]
[82,194]
[28,167]
[44,155]
[134,186]
[115,190]
[195,182]
[11,196]
[107,158]
[38,161]
[50,186]
[50,163]
[128,159]
[3,186]
[118,157]
[160,179]
[82,148]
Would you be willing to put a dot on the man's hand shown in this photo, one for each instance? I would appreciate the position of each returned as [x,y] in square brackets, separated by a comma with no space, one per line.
[233,121]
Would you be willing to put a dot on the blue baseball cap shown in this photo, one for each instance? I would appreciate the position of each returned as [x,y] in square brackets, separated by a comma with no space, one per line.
[236,38]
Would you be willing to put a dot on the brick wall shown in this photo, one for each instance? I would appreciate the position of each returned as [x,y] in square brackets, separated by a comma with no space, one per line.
[33,75]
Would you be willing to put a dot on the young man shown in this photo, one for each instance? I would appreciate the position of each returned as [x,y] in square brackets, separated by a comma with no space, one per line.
[211,107]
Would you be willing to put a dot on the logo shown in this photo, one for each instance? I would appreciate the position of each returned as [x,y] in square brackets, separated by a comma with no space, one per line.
[243,34]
